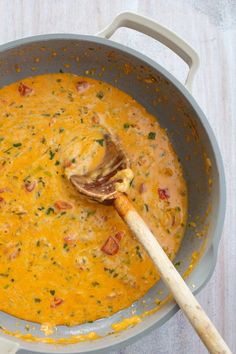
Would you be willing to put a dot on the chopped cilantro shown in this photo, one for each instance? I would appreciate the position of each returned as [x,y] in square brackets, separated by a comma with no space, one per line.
[41,208]
[61,130]
[100,141]
[17,145]
[146,207]
[131,182]
[49,211]
[52,292]
[126,126]
[66,247]
[37,299]
[152,135]
[51,154]
[95,283]
[91,212]
[100,95]
[109,270]
[57,163]
[43,140]
[139,254]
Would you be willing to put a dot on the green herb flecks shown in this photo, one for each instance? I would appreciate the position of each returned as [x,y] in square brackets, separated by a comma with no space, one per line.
[8,150]
[4,275]
[66,247]
[100,95]
[131,182]
[109,270]
[126,126]
[95,283]
[43,140]
[138,252]
[152,135]
[17,145]
[100,141]
[51,154]
[50,210]
[146,207]
[90,212]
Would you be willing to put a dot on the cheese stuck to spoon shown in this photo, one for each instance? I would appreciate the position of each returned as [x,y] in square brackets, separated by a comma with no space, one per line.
[123,180]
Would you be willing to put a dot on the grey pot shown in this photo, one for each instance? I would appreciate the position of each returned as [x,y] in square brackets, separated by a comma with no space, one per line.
[178,112]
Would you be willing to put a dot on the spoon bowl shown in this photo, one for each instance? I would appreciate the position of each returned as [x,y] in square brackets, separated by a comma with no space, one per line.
[100,183]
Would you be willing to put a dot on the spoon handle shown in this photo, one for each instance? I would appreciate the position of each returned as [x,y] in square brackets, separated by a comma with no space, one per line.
[172,279]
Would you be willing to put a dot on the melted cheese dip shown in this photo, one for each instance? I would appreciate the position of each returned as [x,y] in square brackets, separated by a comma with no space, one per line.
[65,259]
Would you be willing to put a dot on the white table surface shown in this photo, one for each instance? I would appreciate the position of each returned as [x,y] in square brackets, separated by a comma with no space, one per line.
[209,26]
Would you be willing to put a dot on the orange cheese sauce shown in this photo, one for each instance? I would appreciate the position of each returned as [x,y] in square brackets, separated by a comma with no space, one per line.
[56,264]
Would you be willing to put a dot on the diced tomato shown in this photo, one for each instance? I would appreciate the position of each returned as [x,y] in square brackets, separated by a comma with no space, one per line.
[3,101]
[4,189]
[142,188]
[111,246]
[142,161]
[95,119]
[67,163]
[163,193]
[29,186]
[56,302]
[104,218]
[14,254]
[70,238]
[63,205]
[119,235]
[2,200]
[82,86]
[24,90]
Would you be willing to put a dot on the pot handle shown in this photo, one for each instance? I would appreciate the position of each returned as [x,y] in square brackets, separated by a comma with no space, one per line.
[162,34]
[8,347]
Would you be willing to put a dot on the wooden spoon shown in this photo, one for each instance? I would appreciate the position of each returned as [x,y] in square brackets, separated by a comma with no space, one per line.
[103,185]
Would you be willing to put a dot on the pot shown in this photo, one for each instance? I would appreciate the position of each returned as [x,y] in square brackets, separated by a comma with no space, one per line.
[192,138]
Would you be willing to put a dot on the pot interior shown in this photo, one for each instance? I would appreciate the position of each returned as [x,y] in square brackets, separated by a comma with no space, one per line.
[176,111]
